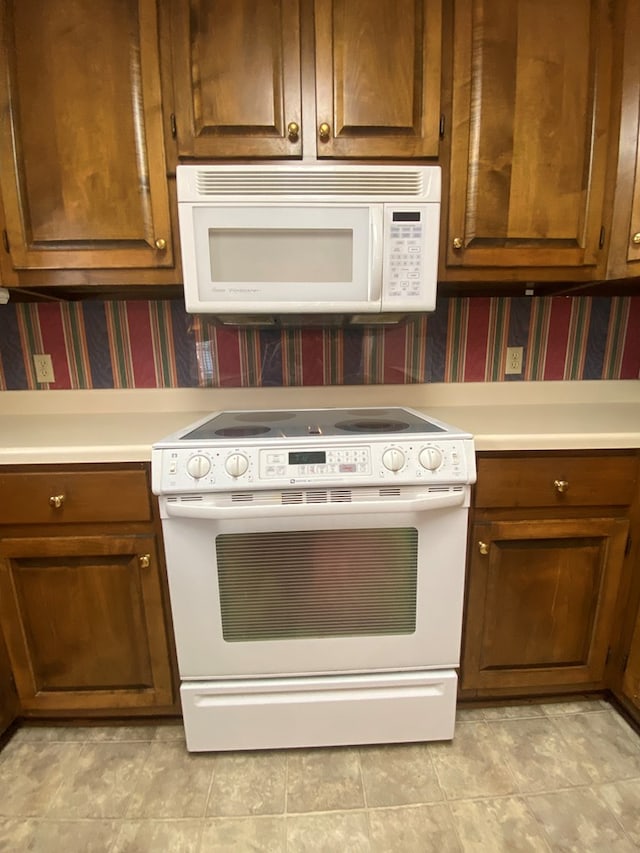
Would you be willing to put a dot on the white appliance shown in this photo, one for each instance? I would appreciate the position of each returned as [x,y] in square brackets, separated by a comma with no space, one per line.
[309,239]
[316,570]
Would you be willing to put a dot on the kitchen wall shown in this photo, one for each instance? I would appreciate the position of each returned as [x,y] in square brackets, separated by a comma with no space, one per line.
[140,344]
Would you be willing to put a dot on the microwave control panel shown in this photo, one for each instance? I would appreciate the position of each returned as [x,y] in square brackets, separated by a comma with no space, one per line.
[410,256]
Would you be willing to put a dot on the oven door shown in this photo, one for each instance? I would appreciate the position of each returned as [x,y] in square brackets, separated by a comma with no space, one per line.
[301,583]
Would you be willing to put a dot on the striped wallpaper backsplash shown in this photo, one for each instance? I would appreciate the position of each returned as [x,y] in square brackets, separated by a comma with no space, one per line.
[144,344]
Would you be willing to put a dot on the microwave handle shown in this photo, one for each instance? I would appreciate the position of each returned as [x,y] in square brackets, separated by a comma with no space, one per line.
[377,250]
[214,513]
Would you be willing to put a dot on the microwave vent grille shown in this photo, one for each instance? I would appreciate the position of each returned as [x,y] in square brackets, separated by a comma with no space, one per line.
[303,183]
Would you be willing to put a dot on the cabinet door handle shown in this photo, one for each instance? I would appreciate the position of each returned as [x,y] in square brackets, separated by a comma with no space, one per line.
[324,131]
[636,238]
[293,131]
[457,242]
[483,548]
[561,486]
[161,244]
[144,561]
[56,501]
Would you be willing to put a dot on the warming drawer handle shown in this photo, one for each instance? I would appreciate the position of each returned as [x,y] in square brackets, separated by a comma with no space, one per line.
[56,501]
[422,504]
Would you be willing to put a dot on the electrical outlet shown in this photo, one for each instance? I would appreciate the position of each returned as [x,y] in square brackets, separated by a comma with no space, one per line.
[44,368]
[514,360]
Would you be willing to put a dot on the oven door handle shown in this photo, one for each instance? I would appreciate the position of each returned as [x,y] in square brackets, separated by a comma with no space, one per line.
[424,503]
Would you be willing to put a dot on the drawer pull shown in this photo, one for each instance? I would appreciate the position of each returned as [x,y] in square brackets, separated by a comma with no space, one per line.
[561,486]
[483,548]
[144,561]
[56,501]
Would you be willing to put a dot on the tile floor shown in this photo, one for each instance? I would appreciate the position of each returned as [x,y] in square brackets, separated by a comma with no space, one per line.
[550,777]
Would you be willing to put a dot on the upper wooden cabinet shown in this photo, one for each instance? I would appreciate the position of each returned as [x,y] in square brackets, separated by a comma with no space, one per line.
[530,115]
[378,68]
[241,72]
[624,247]
[82,159]
[236,78]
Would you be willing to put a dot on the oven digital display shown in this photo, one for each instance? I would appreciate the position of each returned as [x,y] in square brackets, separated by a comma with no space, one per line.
[315,457]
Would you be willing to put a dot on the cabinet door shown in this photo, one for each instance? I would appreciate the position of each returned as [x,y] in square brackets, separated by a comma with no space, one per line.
[631,679]
[624,248]
[540,603]
[9,704]
[378,68]
[82,158]
[83,618]
[531,96]
[236,72]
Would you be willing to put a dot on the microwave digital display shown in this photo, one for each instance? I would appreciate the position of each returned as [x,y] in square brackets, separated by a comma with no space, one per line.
[406,216]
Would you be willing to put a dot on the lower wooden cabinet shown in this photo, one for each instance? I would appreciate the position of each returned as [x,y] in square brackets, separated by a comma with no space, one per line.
[631,678]
[547,548]
[541,602]
[82,605]
[9,703]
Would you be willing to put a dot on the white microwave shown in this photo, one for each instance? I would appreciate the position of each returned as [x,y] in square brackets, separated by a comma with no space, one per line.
[309,239]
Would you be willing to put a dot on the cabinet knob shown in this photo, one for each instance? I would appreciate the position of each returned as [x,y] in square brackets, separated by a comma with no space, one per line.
[161,244]
[293,131]
[144,561]
[56,501]
[457,242]
[483,547]
[561,486]
[324,131]
[636,238]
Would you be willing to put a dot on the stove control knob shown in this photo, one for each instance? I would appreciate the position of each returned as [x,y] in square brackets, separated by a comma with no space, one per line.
[198,466]
[236,464]
[430,458]
[393,459]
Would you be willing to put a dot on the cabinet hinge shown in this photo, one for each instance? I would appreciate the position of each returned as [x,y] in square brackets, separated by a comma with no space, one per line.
[625,661]
[5,240]
[627,547]
[174,128]
[442,126]
[602,235]
[608,657]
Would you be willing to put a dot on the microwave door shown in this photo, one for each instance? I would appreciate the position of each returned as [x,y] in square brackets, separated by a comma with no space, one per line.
[286,259]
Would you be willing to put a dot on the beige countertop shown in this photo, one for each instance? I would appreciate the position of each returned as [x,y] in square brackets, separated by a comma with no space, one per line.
[121,425]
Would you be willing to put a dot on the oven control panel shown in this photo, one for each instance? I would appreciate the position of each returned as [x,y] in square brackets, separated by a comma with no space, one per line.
[365,463]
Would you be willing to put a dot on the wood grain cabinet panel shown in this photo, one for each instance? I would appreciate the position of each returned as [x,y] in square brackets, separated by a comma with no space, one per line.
[531,101]
[557,481]
[67,497]
[78,614]
[83,593]
[9,703]
[236,77]
[549,538]
[243,78]
[378,67]
[624,247]
[541,602]
[83,171]
[631,678]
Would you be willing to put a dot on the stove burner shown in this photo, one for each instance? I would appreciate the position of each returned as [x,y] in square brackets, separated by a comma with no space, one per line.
[372,426]
[264,417]
[242,431]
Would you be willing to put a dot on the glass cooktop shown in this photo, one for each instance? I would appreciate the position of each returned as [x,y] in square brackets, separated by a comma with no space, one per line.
[307,423]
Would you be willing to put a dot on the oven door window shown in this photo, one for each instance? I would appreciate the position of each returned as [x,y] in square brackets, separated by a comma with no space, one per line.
[317,583]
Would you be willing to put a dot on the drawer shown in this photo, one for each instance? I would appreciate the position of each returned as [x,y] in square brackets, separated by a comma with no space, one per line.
[556,481]
[83,496]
